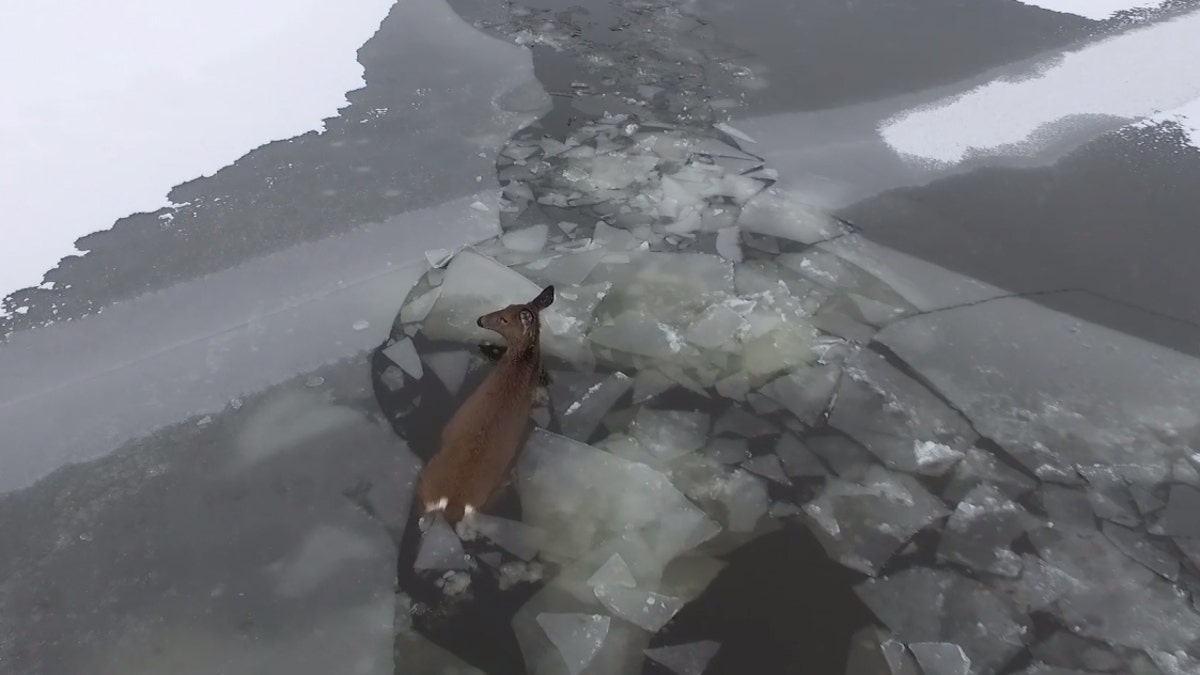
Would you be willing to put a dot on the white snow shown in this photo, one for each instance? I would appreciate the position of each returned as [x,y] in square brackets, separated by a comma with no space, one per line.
[1187,116]
[109,105]
[1133,75]
[1092,9]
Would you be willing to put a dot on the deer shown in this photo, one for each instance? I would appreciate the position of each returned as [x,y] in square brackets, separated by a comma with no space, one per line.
[481,442]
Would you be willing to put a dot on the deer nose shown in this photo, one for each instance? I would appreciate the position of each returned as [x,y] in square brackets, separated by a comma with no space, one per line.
[479,322]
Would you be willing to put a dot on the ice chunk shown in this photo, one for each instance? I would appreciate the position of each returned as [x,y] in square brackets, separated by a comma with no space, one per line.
[393,378]
[515,537]
[1069,650]
[440,548]
[526,240]
[767,466]
[449,367]
[740,135]
[926,605]
[1112,598]
[738,496]
[1110,496]
[798,460]
[686,659]
[1157,557]
[581,497]
[784,214]
[1180,519]
[578,637]
[979,466]
[581,400]
[738,421]
[887,411]
[416,309]
[874,652]
[567,269]
[473,286]
[941,658]
[839,453]
[611,238]
[1179,663]
[650,383]
[638,333]
[668,434]
[933,458]
[515,572]
[981,529]
[286,421]
[806,392]
[728,244]
[323,553]
[716,328]
[404,354]
[863,524]
[1066,506]
[614,572]
[649,611]
[727,450]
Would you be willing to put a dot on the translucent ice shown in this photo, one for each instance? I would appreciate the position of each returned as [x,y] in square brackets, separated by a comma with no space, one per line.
[727,450]
[474,285]
[780,213]
[526,240]
[647,610]
[404,354]
[440,548]
[449,367]
[736,420]
[767,466]
[614,572]
[941,658]
[927,605]
[578,637]
[668,434]
[893,415]
[515,537]
[806,392]
[637,333]
[581,497]
[581,400]
[798,460]
[981,529]
[686,659]
[716,328]
[728,244]
[862,524]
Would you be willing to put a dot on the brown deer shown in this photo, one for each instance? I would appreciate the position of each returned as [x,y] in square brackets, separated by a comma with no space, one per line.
[481,441]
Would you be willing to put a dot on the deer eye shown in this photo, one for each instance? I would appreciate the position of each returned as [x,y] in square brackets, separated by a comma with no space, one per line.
[503,320]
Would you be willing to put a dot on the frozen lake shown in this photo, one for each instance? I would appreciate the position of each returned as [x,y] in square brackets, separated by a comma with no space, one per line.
[873,348]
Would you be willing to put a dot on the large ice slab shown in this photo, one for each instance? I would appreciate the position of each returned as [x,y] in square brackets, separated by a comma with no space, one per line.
[686,659]
[863,523]
[1056,391]
[581,400]
[581,497]
[923,605]
[577,636]
[981,529]
[898,419]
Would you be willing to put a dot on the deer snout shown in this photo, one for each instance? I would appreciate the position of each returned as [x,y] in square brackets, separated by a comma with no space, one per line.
[479,322]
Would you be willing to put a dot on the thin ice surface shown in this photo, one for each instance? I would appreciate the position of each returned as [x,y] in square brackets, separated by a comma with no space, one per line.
[581,400]
[440,548]
[648,610]
[686,659]
[862,524]
[581,496]
[981,529]
[895,416]
[576,636]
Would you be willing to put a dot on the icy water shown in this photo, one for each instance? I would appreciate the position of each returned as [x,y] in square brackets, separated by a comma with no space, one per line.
[768,443]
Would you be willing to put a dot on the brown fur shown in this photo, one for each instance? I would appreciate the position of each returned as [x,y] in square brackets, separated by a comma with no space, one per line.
[481,442]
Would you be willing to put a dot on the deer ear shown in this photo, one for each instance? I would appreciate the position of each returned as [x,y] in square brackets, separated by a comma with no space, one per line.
[528,318]
[544,299]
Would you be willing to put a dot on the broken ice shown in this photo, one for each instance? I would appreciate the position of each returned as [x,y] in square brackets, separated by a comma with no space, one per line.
[578,637]
[862,524]
[686,659]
